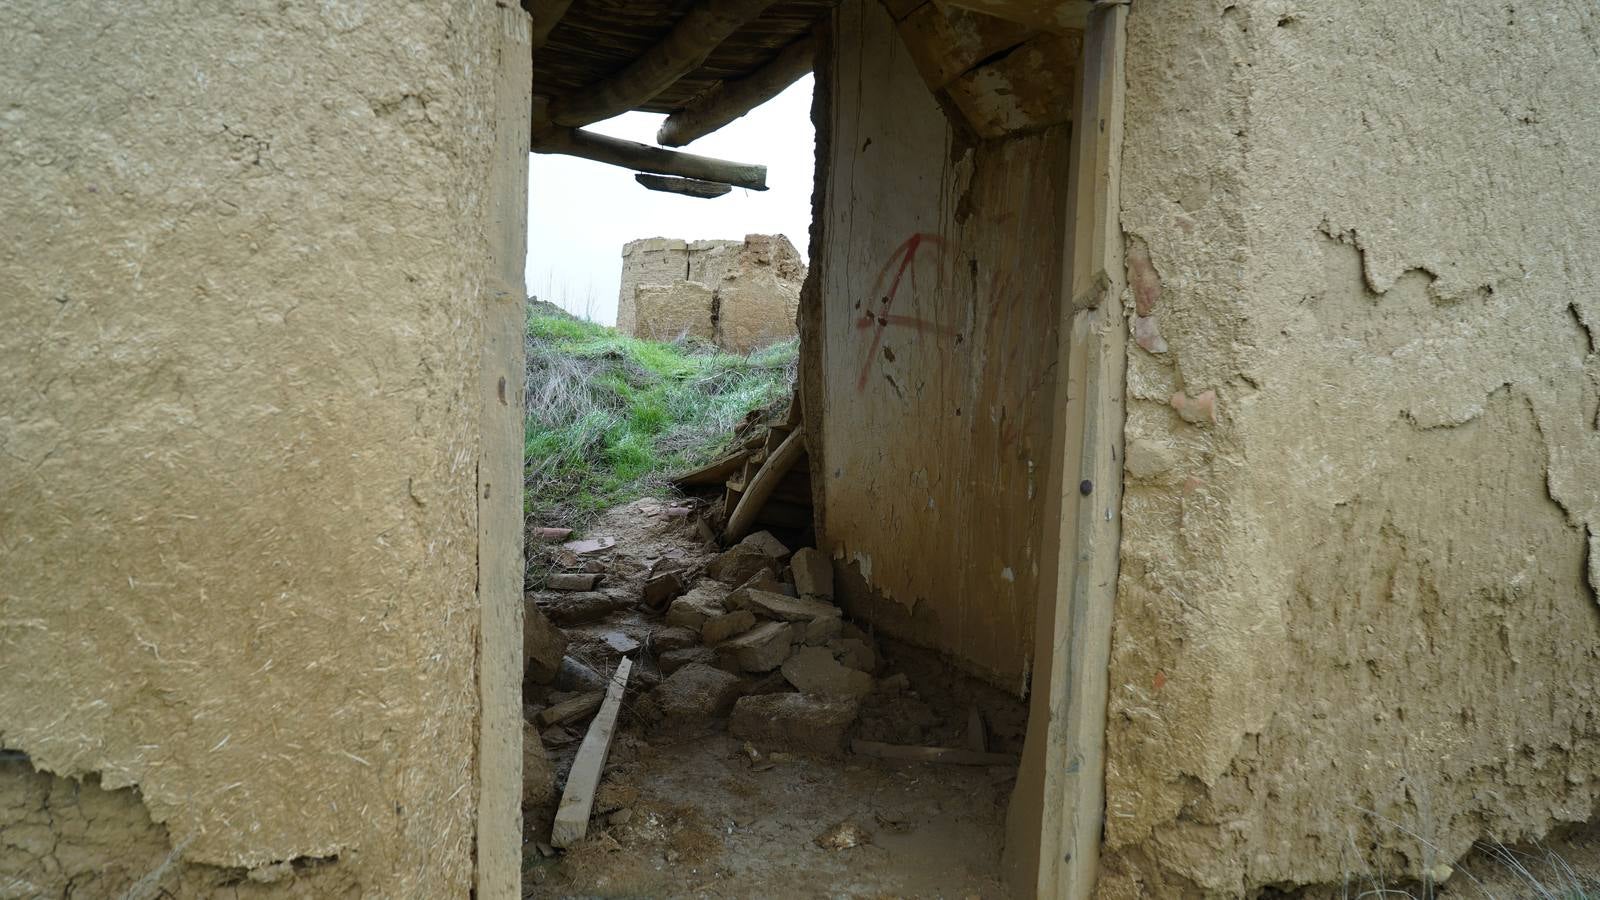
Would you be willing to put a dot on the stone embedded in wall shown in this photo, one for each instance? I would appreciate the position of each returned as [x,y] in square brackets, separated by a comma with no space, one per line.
[740,295]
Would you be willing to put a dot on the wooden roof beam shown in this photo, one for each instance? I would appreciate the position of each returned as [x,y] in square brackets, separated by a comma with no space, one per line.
[729,100]
[683,50]
[645,158]
[1049,15]
[688,187]
[543,16]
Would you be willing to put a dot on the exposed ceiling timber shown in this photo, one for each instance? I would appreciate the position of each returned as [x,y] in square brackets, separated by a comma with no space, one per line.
[687,46]
[543,16]
[645,158]
[1049,15]
[729,100]
[688,187]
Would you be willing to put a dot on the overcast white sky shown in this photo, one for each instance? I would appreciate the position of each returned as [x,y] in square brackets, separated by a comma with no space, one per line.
[580,213]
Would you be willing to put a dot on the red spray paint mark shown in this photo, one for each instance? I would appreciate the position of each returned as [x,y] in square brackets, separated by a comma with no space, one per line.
[906,256]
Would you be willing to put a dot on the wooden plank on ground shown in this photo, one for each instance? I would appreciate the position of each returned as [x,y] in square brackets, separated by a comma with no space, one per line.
[577,798]
[951,755]
[977,734]
[571,709]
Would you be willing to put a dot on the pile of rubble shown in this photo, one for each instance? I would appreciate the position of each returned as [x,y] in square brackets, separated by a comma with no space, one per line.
[765,479]
[655,632]
[750,634]
[774,652]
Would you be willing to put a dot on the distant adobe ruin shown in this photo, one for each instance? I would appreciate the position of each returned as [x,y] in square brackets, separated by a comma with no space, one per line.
[740,295]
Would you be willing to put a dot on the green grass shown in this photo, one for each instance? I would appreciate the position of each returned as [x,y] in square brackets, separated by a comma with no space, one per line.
[610,418]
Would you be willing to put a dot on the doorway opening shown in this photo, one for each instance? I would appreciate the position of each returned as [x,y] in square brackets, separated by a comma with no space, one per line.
[805,635]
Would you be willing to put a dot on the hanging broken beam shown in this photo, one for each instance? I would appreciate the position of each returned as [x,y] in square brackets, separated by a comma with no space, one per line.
[688,187]
[645,158]
[729,100]
[682,51]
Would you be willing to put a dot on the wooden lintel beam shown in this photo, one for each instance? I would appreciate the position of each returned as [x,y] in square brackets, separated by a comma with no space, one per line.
[729,100]
[645,158]
[1050,15]
[688,187]
[706,26]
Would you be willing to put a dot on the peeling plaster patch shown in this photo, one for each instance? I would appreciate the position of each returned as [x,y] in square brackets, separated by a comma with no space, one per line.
[1349,593]
[1594,565]
[1142,276]
[1449,417]
[1147,334]
[1587,329]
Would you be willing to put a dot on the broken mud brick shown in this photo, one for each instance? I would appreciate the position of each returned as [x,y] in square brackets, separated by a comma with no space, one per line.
[762,649]
[779,606]
[695,694]
[813,670]
[813,574]
[794,722]
[666,640]
[577,609]
[719,628]
[572,581]
[693,609]
[661,589]
[673,660]
[542,645]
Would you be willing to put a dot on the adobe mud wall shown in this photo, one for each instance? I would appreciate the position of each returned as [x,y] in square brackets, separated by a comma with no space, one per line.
[669,261]
[740,295]
[929,372]
[245,257]
[1357,606]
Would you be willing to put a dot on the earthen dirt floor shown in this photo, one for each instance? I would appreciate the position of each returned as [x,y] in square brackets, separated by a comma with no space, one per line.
[701,814]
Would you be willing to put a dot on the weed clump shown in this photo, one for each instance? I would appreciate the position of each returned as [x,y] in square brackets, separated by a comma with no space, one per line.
[610,418]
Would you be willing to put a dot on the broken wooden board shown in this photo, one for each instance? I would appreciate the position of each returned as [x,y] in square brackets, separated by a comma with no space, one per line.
[763,483]
[950,755]
[714,472]
[1051,15]
[577,798]
[571,709]
[687,187]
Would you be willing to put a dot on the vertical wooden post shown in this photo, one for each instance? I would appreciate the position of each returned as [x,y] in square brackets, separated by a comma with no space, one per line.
[500,547]
[1055,824]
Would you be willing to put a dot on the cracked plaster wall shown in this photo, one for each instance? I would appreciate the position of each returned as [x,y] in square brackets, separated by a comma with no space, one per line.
[1357,601]
[239,437]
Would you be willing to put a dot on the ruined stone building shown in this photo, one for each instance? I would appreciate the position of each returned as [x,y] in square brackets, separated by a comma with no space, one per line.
[739,295]
[1223,376]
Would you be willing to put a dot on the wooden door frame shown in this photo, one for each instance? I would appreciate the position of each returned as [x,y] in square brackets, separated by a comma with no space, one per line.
[1056,820]
[498,759]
